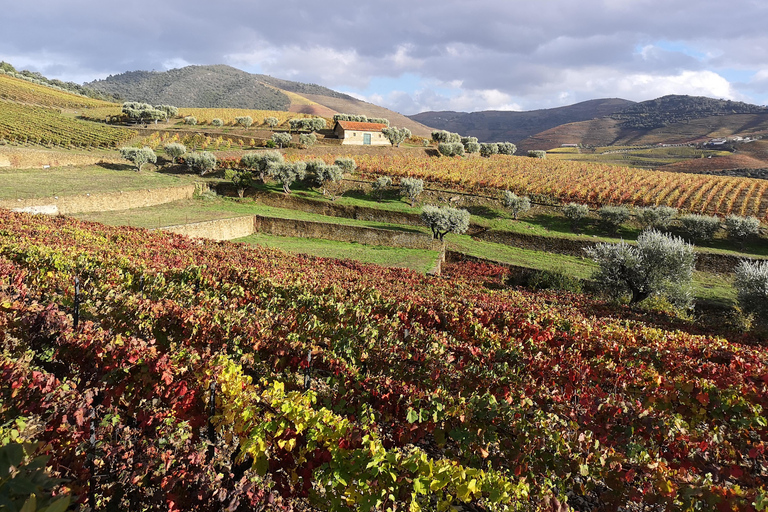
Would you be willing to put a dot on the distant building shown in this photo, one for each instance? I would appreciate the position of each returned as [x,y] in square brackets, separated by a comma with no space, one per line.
[360,134]
[569,145]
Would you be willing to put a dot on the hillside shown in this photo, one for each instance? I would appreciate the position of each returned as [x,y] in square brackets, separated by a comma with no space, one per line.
[195,86]
[498,126]
[222,86]
[609,131]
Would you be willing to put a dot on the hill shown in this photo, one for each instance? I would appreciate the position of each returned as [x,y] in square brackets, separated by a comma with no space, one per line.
[499,126]
[610,131]
[195,86]
[221,86]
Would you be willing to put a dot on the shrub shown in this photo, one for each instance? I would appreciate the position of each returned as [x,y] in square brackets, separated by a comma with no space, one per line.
[174,150]
[701,228]
[515,203]
[537,153]
[751,280]
[245,121]
[659,264]
[347,164]
[444,220]
[217,122]
[656,217]
[614,216]
[202,162]
[139,156]
[307,139]
[281,139]
[575,212]
[411,187]
[741,229]
[554,280]
[192,120]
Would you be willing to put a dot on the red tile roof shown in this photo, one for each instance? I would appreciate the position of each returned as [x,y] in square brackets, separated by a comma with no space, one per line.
[361,127]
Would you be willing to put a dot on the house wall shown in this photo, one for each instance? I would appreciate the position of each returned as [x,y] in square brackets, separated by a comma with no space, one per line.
[356,138]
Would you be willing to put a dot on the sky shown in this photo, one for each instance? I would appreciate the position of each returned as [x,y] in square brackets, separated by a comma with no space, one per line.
[417,55]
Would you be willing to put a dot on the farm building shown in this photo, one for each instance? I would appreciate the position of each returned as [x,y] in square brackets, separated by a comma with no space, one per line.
[368,134]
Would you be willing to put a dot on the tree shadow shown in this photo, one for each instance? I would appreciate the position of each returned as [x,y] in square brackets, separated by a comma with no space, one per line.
[482,211]
[117,167]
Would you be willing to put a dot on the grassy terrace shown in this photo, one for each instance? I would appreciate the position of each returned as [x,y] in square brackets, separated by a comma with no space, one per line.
[93,179]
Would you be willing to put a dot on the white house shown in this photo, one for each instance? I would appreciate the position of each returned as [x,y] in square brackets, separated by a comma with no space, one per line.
[361,134]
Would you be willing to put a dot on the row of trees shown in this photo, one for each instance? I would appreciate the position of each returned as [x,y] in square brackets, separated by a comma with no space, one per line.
[360,118]
[145,113]
[271,164]
[453,144]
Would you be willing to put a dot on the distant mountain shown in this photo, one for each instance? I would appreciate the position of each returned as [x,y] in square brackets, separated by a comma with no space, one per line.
[195,86]
[669,119]
[500,126]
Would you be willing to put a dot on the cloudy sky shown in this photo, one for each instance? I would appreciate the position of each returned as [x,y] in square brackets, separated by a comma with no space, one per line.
[414,55]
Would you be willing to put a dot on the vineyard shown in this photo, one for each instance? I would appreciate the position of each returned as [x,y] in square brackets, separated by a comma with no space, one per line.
[25,124]
[22,91]
[180,374]
[587,183]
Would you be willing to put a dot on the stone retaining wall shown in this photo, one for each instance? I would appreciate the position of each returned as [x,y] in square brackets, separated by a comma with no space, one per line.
[343,233]
[219,229]
[111,201]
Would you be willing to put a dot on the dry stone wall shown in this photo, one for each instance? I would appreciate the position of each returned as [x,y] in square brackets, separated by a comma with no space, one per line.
[219,229]
[113,201]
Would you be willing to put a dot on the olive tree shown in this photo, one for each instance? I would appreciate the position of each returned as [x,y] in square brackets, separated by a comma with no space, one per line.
[139,156]
[470,144]
[281,139]
[537,153]
[174,150]
[217,122]
[307,139]
[192,120]
[506,148]
[271,121]
[451,148]
[751,280]
[259,161]
[440,136]
[614,216]
[322,174]
[656,217]
[575,212]
[287,173]
[659,264]
[515,203]
[245,121]
[701,228]
[379,186]
[137,111]
[396,135]
[489,148]
[346,163]
[411,187]
[201,162]
[444,220]
[169,110]
[242,179]
[741,229]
